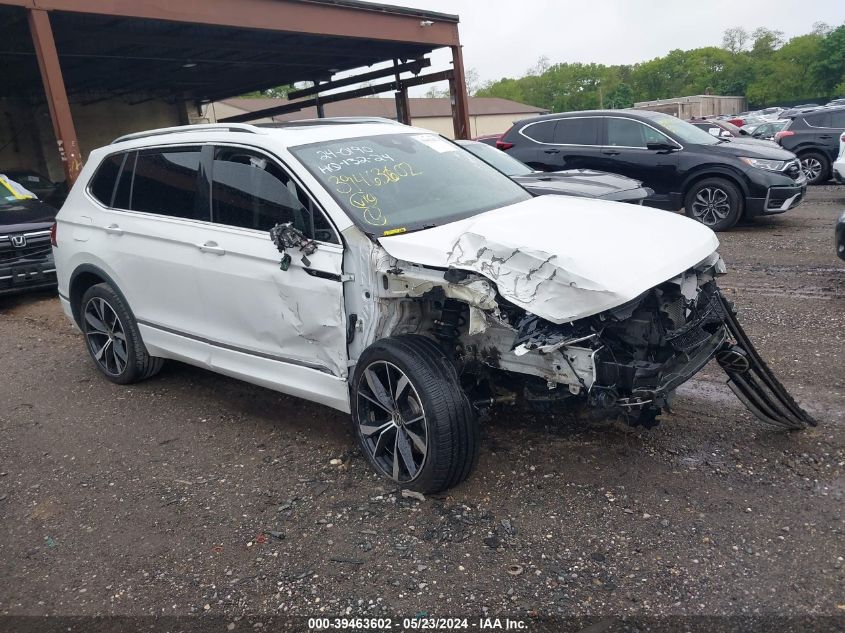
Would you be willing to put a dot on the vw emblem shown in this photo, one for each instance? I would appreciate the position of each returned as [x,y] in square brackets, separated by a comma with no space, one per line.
[18,241]
[733,360]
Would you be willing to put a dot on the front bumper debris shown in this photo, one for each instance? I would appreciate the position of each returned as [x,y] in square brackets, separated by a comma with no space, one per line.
[753,382]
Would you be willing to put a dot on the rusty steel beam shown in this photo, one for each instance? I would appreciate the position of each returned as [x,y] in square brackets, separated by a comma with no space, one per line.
[295,16]
[458,96]
[54,88]
[341,96]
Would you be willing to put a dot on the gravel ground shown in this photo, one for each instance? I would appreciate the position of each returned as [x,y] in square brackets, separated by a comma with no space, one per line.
[193,493]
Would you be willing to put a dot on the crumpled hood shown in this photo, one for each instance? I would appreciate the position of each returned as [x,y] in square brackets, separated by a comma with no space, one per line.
[563,258]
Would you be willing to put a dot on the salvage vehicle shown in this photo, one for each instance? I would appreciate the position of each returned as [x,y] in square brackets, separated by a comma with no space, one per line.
[587,183]
[26,259]
[716,181]
[383,271]
[49,192]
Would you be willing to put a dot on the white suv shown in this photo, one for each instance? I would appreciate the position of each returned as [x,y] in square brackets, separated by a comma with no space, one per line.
[385,271]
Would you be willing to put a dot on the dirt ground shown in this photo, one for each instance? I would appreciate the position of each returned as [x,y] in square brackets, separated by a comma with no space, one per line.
[193,493]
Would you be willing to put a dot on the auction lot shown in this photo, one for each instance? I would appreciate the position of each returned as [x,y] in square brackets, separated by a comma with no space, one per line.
[194,493]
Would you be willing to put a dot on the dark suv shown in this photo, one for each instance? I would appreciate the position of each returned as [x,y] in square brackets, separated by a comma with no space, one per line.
[717,181]
[814,137]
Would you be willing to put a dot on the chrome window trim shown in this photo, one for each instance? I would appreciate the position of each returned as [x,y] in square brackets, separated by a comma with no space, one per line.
[608,116]
[525,127]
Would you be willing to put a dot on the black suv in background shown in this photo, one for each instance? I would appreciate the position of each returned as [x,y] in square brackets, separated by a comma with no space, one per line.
[814,137]
[716,180]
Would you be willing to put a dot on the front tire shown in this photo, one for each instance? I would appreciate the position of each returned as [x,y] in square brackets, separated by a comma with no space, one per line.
[816,167]
[112,337]
[412,419]
[715,202]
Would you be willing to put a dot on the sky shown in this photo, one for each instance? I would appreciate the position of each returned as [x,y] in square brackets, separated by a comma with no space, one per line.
[504,38]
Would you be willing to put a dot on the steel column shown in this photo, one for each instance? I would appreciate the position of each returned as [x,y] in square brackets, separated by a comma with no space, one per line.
[458,95]
[54,88]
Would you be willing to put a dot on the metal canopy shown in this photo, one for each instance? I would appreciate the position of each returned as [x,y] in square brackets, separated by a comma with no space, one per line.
[104,57]
[83,51]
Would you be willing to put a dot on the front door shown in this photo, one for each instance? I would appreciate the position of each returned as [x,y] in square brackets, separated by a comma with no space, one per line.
[285,329]
[625,152]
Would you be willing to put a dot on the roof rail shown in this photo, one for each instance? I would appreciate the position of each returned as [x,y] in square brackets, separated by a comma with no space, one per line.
[337,120]
[210,127]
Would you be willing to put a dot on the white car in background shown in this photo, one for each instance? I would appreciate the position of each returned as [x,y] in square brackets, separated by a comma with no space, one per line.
[839,164]
[387,272]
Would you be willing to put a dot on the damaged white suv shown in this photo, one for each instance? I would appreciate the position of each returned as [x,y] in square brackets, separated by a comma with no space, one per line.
[387,272]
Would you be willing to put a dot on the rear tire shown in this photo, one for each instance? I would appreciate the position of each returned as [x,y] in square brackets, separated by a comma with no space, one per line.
[112,337]
[413,421]
[715,202]
[816,167]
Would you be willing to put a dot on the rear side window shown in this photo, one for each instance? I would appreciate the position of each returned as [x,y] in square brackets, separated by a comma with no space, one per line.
[577,131]
[102,185]
[820,119]
[165,183]
[251,191]
[542,131]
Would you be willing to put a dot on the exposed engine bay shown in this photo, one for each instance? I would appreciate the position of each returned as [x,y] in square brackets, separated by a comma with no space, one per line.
[625,361]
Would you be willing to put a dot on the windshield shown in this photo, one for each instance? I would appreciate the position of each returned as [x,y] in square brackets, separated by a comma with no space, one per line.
[394,183]
[686,132]
[11,192]
[505,163]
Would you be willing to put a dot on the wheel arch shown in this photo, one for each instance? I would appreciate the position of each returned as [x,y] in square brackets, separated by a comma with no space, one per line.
[715,172]
[83,277]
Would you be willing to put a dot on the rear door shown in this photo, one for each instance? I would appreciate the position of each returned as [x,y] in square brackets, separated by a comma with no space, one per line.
[282,328]
[625,152]
[573,143]
[146,236]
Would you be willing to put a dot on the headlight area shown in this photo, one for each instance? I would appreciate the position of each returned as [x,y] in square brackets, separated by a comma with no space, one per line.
[764,163]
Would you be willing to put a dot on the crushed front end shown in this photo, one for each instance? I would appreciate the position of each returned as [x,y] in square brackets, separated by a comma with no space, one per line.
[625,361]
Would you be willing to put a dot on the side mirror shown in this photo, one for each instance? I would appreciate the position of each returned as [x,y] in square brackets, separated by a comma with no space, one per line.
[661,146]
[286,236]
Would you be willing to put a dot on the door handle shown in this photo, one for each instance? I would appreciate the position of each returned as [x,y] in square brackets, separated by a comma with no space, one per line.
[611,152]
[551,151]
[114,229]
[211,247]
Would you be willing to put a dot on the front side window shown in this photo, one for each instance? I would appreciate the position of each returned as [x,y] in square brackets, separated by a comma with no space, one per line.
[251,191]
[630,133]
[686,132]
[165,183]
[577,131]
[394,183]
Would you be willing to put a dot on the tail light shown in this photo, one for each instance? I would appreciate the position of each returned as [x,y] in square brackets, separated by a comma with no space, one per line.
[502,144]
[842,138]
[783,133]
[53,234]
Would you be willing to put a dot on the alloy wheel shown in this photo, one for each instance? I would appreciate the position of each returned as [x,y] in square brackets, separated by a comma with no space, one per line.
[391,421]
[711,204]
[105,335]
[811,167]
